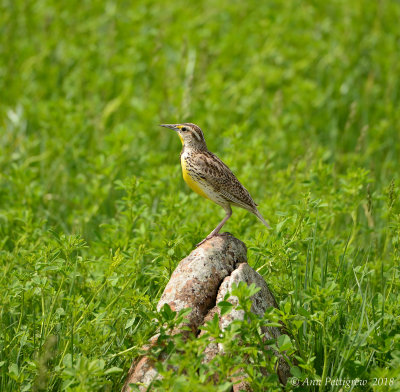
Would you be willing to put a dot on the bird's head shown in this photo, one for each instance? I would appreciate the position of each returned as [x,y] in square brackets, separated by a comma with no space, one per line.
[190,134]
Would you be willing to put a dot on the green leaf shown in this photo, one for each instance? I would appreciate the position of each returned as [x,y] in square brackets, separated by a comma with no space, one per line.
[284,342]
[130,322]
[303,312]
[296,372]
[167,313]
[226,386]
[225,307]
[113,370]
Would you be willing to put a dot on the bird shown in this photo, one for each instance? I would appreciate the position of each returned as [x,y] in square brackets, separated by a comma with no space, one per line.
[211,178]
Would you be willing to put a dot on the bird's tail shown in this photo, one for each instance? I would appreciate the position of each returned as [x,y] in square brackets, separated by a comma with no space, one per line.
[259,216]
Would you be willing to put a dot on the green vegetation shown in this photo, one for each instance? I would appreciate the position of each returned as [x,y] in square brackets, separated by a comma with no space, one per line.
[300,99]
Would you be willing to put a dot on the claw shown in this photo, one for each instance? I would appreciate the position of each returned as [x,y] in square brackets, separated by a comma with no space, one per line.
[203,241]
[209,237]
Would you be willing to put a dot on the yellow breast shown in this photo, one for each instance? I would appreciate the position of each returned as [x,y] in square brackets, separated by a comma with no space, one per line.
[194,185]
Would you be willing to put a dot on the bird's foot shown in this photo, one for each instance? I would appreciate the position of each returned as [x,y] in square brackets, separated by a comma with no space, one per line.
[205,239]
[211,236]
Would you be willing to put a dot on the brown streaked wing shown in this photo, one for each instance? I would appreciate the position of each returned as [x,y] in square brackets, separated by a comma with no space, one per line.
[221,178]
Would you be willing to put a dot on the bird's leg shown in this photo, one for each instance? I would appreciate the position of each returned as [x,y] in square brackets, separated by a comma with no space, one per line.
[219,227]
[228,210]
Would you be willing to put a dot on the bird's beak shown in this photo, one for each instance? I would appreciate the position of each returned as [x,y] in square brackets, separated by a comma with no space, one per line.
[170,126]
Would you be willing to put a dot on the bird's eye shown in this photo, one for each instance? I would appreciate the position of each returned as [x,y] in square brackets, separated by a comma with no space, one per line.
[184,129]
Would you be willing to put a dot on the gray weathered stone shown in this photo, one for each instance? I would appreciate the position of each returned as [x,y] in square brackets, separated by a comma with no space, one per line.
[261,301]
[200,281]
[195,282]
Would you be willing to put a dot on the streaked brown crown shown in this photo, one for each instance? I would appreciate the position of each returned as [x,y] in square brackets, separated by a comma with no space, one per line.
[192,135]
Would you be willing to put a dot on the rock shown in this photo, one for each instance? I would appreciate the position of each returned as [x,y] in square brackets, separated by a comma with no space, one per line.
[200,281]
[195,282]
[261,301]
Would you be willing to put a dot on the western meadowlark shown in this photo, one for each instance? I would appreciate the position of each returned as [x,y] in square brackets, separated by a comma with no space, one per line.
[208,176]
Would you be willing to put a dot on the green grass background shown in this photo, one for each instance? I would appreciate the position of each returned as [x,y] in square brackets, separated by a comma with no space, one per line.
[299,98]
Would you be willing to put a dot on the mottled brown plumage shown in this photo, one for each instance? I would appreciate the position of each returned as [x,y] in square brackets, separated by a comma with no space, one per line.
[207,175]
[221,178]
